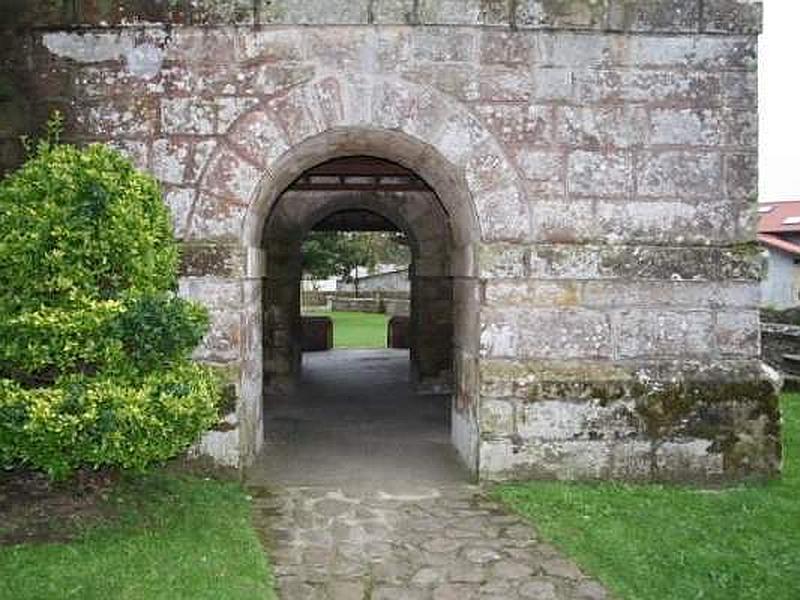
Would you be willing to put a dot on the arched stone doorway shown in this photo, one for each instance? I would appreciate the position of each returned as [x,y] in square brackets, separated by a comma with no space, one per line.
[444,233]
[269,146]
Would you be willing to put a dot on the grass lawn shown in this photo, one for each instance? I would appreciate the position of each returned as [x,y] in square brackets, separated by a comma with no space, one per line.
[175,537]
[653,542]
[357,329]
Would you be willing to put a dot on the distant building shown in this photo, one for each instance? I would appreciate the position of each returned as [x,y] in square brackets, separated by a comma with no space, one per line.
[395,280]
[779,233]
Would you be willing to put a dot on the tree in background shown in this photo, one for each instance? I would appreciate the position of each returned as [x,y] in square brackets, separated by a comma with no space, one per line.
[342,253]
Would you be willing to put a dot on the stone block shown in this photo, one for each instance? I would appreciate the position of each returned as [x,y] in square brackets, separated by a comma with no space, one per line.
[741,129]
[213,292]
[464,12]
[518,125]
[677,16]
[564,333]
[170,160]
[708,53]
[560,14]
[602,126]
[258,138]
[222,343]
[497,417]
[507,48]
[687,460]
[504,84]
[651,333]
[231,176]
[679,174]
[740,89]
[488,169]
[563,221]
[607,173]
[732,16]
[211,259]
[741,176]
[579,50]
[314,12]
[444,45]
[687,127]
[532,293]
[117,118]
[543,170]
[503,215]
[216,218]
[563,460]
[679,88]
[201,116]
[250,46]
[665,221]
[738,333]
[180,202]
[570,420]
[502,260]
[461,81]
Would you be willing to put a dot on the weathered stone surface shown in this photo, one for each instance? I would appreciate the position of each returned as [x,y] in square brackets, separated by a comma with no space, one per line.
[593,168]
[446,542]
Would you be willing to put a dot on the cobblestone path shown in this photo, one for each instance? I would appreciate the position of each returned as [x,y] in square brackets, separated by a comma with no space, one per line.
[439,543]
[359,495]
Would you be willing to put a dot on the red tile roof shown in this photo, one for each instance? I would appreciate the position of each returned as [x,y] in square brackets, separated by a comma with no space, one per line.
[774,220]
[773,241]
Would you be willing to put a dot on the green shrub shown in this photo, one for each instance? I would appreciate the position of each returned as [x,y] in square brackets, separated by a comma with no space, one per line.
[94,345]
[106,420]
[40,345]
[157,330]
[81,224]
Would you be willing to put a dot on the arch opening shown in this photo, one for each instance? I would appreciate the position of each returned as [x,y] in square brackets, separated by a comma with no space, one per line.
[357,187]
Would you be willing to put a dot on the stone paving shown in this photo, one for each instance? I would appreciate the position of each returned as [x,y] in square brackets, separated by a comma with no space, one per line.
[359,495]
[440,543]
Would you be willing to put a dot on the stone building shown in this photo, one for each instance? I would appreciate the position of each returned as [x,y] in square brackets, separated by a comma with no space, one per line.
[577,178]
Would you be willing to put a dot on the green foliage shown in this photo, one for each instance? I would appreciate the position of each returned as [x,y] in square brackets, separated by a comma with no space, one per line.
[38,345]
[156,330]
[94,345]
[175,537]
[81,224]
[99,421]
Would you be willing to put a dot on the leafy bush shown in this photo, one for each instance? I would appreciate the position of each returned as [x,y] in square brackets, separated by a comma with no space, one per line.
[94,345]
[106,420]
[160,329]
[81,224]
[39,345]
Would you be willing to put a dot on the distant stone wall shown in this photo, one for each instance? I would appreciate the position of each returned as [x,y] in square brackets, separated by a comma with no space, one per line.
[367,305]
[777,341]
[590,269]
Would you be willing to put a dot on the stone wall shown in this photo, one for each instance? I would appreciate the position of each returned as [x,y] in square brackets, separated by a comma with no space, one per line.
[779,341]
[595,161]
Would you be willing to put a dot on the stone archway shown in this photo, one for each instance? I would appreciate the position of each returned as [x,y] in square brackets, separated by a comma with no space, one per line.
[270,145]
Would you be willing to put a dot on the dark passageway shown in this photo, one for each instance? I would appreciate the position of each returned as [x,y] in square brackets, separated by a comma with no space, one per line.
[354,418]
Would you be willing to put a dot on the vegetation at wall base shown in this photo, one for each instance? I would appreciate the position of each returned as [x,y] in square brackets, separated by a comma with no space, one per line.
[170,537]
[95,346]
[659,542]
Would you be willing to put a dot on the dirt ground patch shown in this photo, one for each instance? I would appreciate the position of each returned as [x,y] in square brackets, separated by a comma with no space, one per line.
[35,510]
